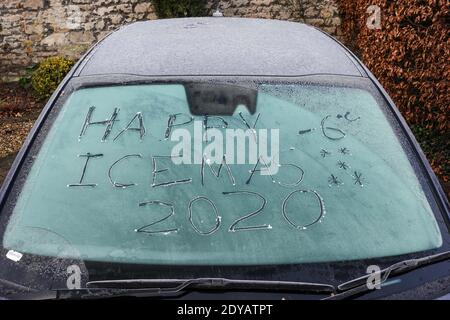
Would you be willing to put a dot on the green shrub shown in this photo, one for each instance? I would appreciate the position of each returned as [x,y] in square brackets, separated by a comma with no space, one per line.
[179,8]
[48,75]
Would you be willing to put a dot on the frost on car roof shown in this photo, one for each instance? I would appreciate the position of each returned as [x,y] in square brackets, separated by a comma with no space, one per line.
[218,46]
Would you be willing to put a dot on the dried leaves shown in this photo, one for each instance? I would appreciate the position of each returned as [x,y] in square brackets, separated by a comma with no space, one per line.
[18,111]
[12,136]
[410,56]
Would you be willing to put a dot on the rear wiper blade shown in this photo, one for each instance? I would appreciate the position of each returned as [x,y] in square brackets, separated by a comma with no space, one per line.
[174,287]
[359,286]
[160,288]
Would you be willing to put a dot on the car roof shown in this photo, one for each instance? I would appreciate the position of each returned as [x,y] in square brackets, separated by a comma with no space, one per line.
[218,46]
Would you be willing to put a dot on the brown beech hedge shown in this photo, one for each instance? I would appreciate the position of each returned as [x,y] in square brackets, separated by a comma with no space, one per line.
[410,57]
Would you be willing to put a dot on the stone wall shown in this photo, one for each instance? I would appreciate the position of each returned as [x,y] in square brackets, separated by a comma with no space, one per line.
[320,13]
[31,30]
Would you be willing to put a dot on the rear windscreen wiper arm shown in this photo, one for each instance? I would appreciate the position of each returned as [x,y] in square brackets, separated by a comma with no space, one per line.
[160,288]
[174,287]
[359,285]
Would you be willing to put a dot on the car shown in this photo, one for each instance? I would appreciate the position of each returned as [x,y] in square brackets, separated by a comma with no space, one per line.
[222,158]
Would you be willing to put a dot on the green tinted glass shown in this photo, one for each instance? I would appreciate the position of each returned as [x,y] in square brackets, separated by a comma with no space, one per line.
[343,188]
